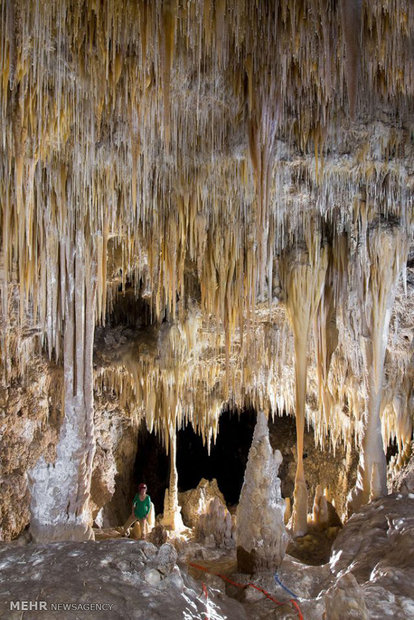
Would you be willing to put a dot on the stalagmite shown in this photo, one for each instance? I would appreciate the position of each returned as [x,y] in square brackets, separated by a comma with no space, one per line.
[172,510]
[303,277]
[386,253]
[261,536]
[195,501]
[320,507]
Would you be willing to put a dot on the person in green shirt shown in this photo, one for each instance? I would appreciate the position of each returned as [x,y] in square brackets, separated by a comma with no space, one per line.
[141,506]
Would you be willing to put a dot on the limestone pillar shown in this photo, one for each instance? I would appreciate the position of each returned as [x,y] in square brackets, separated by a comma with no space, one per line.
[302,272]
[387,251]
[172,510]
[320,507]
[261,536]
[60,490]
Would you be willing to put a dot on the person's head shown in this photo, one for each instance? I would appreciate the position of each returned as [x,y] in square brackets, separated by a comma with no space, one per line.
[142,488]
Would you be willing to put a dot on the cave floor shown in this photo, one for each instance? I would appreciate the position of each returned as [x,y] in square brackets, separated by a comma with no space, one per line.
[315,547]
[369,574]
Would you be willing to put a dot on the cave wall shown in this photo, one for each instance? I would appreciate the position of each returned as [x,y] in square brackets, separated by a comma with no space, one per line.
[30,421]
[334,471]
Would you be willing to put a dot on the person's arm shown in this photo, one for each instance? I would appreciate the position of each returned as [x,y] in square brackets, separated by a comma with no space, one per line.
[147,505]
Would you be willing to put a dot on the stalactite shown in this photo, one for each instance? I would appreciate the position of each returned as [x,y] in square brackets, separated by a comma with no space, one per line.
[326,340]
[188,138]
[303,277]
[387,251]
[351,25]
[167,50]
[11,32]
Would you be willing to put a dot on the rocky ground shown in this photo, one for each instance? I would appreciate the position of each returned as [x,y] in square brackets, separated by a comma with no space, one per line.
[114,579]
[369,576]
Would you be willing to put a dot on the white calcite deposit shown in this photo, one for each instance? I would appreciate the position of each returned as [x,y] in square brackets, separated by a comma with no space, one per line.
[261,535]
[217,524]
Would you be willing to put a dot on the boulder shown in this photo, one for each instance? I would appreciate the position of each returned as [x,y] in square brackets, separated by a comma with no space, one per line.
[195,501]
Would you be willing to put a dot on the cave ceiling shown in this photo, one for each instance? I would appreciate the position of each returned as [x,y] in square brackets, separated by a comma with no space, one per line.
[239,166]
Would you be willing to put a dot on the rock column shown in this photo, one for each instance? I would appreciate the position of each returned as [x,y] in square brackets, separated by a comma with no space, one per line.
[302,274]
[261,535]
[172,510]
[387,251]
[60,491]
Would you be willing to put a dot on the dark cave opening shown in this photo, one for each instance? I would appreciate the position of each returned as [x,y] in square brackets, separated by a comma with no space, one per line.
[228,456]
[152,466]
[392,449]
[148,462]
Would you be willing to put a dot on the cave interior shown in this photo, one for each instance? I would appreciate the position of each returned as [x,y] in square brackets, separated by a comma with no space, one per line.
[206,281]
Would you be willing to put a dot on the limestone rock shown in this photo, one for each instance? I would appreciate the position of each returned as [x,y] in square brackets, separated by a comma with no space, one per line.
[403,480]
[148,549]
[216,523]
[135,532]
[194,502]
[377,546]
[166,559]
[30,419]
[320,508]
[152,576]
[345,600]
[261,534]
[117,573]
[158,535]
[112,486]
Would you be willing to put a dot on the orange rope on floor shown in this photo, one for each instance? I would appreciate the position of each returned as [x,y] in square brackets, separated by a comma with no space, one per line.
[206,595]
[246,585]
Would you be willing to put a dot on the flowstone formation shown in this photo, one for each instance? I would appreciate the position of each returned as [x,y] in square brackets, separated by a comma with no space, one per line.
[261,536]
[232,171]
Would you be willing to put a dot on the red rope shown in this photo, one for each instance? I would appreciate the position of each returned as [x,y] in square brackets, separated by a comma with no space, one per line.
[246,585]
[206,595]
